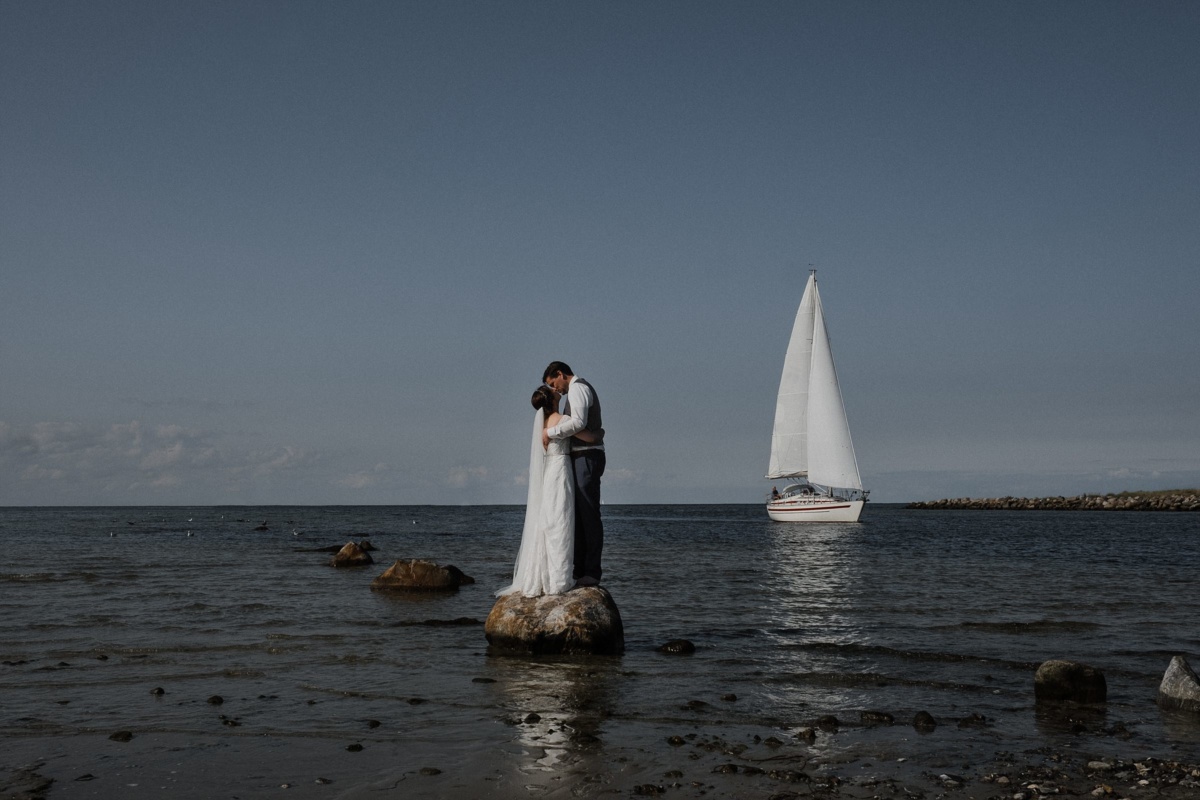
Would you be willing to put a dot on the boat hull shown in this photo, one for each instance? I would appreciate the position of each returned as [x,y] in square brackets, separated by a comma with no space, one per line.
[815,509]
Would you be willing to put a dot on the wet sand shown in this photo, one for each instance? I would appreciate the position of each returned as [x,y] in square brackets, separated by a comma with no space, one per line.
[583,754]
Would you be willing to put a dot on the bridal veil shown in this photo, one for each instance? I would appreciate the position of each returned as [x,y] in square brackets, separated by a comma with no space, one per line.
[544,559]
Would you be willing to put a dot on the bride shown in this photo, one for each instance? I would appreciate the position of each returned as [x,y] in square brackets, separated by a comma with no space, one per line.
[545,559]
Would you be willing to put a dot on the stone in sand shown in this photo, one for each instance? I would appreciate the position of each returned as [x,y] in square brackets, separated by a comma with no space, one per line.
[1060,680]
[582,621]
[351,555]
[1179,688]
[419,575]
[27,784]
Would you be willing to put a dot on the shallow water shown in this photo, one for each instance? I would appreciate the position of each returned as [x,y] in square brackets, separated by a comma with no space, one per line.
[944,611]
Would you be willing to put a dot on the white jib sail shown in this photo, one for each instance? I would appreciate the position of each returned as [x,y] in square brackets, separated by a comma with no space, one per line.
[831,459]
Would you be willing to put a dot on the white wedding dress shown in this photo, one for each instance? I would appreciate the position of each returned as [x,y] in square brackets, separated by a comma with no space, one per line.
[545,561]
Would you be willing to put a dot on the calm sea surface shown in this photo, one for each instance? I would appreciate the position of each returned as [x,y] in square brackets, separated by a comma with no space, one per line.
[948,612]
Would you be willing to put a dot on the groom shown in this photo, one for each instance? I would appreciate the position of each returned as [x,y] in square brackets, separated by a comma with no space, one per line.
[581,411]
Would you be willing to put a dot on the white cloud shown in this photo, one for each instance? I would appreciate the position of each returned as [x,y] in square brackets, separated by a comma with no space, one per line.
[357,480]
[129,462]
[621,476]
[162,457]
[265,462]
[35,472]
[189,404]
[462,477]
[364,479]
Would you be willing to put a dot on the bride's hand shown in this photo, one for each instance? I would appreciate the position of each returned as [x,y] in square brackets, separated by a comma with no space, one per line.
[545,440]
[587,436]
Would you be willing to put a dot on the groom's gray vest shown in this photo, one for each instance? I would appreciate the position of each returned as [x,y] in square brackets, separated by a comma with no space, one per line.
[594,421]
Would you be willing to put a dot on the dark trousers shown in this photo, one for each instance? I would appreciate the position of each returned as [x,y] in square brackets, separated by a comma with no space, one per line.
[589,530]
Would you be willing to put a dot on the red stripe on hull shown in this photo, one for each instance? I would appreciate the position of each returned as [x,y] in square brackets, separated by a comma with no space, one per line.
[779,510]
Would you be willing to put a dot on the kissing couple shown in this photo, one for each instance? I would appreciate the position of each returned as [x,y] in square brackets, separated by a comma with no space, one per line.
[563,536]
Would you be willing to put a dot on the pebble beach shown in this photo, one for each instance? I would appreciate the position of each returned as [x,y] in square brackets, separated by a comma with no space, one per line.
[892,658]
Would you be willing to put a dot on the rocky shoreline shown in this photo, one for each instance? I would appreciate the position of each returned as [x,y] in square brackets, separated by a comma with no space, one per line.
[586,753]
[1172,500]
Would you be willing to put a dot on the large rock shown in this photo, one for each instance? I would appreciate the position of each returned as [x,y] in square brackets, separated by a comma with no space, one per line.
[581,621]
[1059,680]
[1179,688]
[351,555]
[419,575]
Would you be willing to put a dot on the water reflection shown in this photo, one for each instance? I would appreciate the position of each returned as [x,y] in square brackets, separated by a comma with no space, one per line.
[814,584]
[811,577]
[1181,727]
[1055,720]
[558,706]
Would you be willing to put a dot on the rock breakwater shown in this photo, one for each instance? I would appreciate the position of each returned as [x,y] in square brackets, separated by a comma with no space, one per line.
[1172,500]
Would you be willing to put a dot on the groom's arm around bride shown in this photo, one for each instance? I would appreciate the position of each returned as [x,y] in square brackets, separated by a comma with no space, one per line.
[581,412]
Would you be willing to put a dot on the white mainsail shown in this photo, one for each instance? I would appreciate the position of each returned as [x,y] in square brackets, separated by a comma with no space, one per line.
[789,440]
[811,438]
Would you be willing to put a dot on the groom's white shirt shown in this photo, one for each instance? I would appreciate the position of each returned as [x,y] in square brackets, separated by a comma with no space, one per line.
[579,403]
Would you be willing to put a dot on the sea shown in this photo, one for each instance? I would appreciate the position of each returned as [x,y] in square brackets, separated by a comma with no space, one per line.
[229,659]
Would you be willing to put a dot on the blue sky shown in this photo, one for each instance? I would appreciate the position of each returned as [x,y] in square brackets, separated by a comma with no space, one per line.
[320,252]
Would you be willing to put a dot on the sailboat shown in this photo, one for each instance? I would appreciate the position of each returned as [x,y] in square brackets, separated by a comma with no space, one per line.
[810,445]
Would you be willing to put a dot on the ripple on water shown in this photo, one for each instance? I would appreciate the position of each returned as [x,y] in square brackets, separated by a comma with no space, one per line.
[909,610]
[34,577]
[1034,627]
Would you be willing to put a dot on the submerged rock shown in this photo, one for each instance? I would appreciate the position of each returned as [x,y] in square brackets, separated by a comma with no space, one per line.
[419,575]
[365,544]
[352,554]
[1180,687]
[679,647]
[924,722]
[583,621]
[1060,680]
